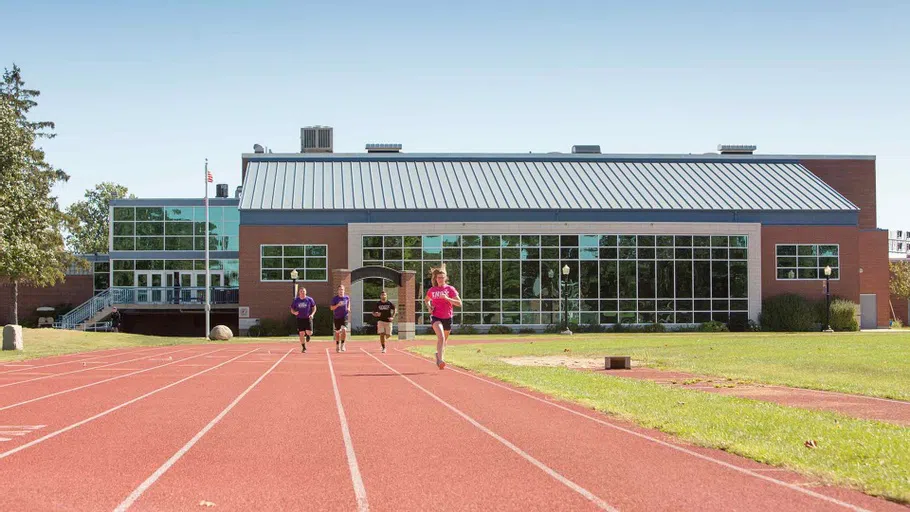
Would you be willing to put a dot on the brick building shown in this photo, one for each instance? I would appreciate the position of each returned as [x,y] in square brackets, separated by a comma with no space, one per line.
[676,239]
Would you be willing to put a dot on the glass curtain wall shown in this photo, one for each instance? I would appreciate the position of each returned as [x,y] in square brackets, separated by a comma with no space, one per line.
[613,278]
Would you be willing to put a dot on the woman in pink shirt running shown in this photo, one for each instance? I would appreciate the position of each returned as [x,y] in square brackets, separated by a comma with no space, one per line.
[441,300]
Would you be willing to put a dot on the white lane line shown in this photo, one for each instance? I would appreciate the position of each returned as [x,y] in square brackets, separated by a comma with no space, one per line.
[603,505]
[43,397]
[115,408]
[144,486]
[93,356]
[359,490]
[86,369]
[658,441]
[17,431]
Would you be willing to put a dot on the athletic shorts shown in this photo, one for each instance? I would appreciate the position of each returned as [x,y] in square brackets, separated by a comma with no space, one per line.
[304,324]
[340,323]
[446,322]
[384,328]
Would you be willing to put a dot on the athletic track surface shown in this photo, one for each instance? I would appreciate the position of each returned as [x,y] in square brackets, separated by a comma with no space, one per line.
[264,427]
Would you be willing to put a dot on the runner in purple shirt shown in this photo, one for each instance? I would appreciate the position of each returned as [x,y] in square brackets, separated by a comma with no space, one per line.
[341,306]
[303,308]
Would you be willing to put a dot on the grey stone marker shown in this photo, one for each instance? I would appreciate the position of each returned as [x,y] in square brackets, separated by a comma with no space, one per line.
[12,337]
[221,332]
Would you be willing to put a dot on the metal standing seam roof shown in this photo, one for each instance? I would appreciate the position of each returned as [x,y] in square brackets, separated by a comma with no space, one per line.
[363,183]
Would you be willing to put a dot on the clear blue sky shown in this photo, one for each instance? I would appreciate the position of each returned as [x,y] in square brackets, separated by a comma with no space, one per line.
[142,94]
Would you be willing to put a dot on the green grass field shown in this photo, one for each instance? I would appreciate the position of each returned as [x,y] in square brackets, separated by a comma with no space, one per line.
[874,364]
[868,455]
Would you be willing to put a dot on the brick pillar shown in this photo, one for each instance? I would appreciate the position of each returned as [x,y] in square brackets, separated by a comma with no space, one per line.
[342,277]
[406,298]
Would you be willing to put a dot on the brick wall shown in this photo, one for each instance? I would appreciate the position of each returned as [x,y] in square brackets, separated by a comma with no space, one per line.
[875,275]
[900,309]
[74,290]
[273,300]
[854,179]
[848,237]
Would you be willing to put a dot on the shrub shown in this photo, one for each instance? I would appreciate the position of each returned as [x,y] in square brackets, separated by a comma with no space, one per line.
[465,330]
[592,328]
[322,322]
[499,329]
[656,327]
[713,326]
[272,327]
[843,315]
[552,329]
[787,312]
[896,324]
[526,330]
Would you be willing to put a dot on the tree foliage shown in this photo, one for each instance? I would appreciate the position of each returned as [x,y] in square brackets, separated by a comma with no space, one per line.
[91,220]
[900,278]
[31,223]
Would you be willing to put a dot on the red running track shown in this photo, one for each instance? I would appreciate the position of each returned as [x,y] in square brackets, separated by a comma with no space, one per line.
[263,427]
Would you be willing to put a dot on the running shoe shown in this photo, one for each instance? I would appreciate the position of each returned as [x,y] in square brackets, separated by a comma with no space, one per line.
[383,350]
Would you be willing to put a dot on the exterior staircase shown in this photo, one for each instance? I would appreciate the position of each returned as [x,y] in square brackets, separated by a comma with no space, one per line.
[87,313]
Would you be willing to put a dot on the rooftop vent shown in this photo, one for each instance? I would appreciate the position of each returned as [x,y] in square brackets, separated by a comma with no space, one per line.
[383,148]
[586,149]
[736,149]
[257,148]
[316,139]
[238,191]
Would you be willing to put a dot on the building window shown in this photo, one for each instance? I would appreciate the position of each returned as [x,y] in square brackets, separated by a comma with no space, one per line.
[153,273]
[614,278]
[102,276]
[807,261]
[277,262]
[175,228]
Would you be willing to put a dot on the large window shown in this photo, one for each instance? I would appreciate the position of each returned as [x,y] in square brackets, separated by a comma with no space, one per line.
[175,228]
[224,273]
[807,261]
[310,262]
[517,279]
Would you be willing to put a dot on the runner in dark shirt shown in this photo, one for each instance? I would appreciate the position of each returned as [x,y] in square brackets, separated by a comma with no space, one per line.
[384,312]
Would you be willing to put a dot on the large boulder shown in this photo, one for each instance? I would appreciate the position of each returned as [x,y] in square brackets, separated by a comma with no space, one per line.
[221,332]
[12,337]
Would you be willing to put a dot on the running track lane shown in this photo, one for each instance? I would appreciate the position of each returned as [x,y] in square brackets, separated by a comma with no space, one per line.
[95,465]
[280,448]
[30,385]
[41,372]
[415,454]
[633,473]
[26,365]
[45,391]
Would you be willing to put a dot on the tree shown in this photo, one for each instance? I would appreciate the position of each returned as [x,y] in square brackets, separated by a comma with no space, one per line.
[900,278]
[91,218]
[31,223]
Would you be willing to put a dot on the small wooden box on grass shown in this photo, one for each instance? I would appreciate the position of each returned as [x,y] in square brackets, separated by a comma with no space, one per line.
[617,363]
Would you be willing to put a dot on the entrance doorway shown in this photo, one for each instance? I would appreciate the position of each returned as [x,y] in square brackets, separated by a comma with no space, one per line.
[150,287]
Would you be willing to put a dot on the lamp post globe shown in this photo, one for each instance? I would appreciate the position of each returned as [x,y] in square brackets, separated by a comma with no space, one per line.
[294,276]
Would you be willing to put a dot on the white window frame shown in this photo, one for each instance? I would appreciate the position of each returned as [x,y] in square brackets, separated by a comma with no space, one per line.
[821,272]
[300,270]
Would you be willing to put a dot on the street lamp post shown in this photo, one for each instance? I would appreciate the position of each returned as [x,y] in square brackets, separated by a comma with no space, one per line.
[550,274]
[828,299]
[294,276]
[565,294]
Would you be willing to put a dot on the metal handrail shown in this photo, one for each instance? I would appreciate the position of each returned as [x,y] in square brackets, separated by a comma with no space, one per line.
[174,295]
[86,310]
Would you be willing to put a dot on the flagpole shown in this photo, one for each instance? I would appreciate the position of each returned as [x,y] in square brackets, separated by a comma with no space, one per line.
[208,285]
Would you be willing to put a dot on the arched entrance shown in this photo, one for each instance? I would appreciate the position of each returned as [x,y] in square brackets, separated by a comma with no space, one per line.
[407,289]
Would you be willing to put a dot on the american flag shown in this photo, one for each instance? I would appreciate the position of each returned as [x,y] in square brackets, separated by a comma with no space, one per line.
[208,176]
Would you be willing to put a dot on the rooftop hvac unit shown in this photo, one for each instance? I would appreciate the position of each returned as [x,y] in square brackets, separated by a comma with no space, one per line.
[736,149]
[586,149]
[221,190]
[316,139]
[383,148]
